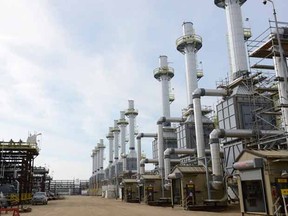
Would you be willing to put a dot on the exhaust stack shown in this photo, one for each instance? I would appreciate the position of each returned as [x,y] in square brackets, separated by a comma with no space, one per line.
[236,42]
[189,44]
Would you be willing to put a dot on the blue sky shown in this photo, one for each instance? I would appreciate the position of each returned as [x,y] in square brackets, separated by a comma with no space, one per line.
[67,68]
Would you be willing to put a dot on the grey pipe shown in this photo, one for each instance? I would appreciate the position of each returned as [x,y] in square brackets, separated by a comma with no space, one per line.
[139,148]
[197,94]
[215,148]
[167,160]
[142,164]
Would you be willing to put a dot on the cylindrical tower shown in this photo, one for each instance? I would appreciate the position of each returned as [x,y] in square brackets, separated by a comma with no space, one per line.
[101,148]
[236,42]
[97,159]
[164,74]
[110,138]
[131,113]
[122,124]
[116,132]
[189,44]
[93,161]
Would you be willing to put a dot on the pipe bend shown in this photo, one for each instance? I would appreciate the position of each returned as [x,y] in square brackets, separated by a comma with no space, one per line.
[197,93]
[169,151]
[216,134]
[161,120]
[139,135]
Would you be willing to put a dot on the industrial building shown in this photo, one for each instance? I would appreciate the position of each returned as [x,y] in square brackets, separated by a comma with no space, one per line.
[240,155]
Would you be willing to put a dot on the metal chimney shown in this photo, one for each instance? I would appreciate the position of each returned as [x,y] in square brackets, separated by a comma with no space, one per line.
[189,44]
[116,132]
[122,123]
[131,113]
[164,74]
[101,148]
[93,161]
[236,42]
[110,138]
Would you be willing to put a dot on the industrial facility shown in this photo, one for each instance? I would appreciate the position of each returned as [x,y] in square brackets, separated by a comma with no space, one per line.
[208,158]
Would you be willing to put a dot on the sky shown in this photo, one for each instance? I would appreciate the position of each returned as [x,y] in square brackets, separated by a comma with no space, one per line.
[67,68]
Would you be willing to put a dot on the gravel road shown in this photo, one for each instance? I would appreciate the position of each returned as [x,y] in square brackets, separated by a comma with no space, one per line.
[97,206]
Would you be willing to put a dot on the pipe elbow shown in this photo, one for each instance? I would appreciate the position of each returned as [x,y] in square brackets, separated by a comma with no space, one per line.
[161,120]
[197,93]
[216,134]
[139,135]
[169,151]
[143,161]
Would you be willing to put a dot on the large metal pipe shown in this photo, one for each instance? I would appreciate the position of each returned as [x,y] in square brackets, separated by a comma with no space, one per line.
[155,161]
[142,164]
[139,148]
[197,94]
[160,141]
[164,74]
[131,113]
[236,42]
[189,44]
[167,156]
[215,135]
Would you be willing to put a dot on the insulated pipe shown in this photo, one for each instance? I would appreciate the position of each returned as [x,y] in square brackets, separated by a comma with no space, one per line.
[236,42]
[142,164]
[139,148]
[161,141]
[167,155]
[189,44]
[146,160]
[131,113]
[215,148]
[164,74]
[197,94]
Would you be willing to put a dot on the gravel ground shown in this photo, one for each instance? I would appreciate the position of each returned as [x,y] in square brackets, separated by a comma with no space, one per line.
[97,206]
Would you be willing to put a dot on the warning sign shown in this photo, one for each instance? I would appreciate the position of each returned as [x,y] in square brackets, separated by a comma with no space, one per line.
[284,192]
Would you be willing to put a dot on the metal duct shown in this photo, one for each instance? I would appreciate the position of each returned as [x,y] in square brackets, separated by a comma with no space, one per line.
[139,148]
[167,160]
[142,164]
[197,94]
[215,148]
